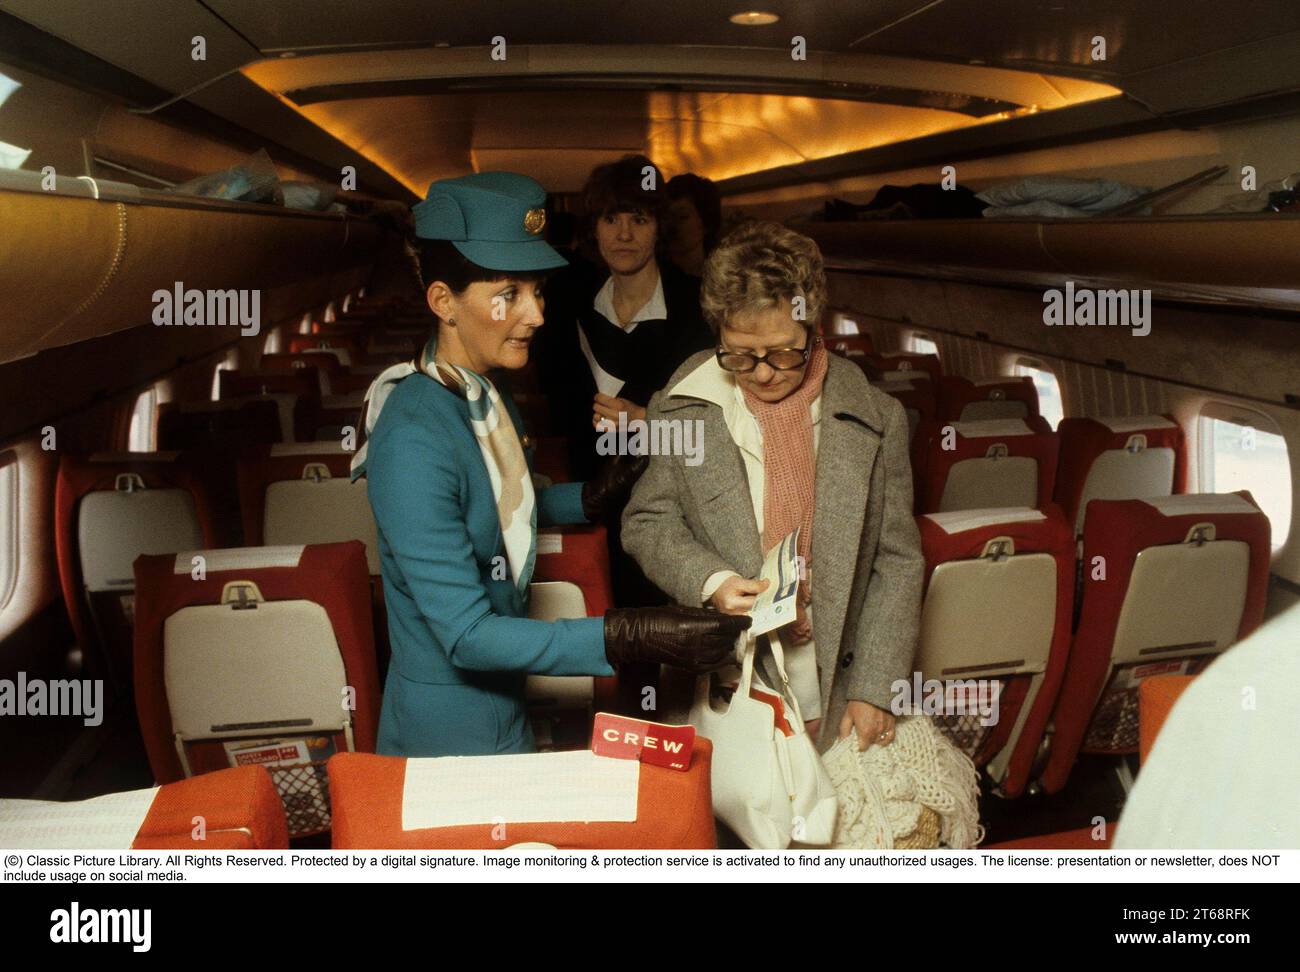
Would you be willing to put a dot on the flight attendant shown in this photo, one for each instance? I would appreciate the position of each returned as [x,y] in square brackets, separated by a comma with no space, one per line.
[455,506]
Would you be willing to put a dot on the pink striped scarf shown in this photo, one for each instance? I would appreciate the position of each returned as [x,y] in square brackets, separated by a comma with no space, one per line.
[789,463]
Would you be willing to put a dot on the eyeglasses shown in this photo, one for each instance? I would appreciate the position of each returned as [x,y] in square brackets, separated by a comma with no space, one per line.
[779,359]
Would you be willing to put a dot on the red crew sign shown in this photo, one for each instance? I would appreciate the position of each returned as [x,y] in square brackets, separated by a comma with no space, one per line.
[650,742]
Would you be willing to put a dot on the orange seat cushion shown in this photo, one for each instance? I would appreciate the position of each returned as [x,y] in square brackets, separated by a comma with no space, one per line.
[674,810]
[1156,696]
[239,807]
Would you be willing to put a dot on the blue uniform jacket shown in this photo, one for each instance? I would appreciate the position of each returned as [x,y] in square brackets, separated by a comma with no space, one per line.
[462,643]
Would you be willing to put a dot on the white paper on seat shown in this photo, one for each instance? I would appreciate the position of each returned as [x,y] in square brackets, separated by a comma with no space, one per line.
[1136,423]
[549,543]
[996,380]
[456,791]
[991,427]
[959,521]
[1200,503]
[239,558]
[105,823]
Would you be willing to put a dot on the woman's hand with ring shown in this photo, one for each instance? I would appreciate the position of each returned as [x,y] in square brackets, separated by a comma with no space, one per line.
[874,726]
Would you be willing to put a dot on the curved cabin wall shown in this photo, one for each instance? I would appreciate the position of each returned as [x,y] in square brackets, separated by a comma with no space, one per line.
[77,343]
[78,277]
[1194,354]
[75,268]
[1191,255]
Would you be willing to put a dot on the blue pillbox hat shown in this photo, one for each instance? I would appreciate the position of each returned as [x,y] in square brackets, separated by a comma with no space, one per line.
[495,219]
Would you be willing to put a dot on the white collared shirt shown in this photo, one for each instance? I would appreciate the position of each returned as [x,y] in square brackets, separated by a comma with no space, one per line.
[653,309]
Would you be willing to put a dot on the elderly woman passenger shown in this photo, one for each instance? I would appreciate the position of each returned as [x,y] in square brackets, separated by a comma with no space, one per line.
[792,437]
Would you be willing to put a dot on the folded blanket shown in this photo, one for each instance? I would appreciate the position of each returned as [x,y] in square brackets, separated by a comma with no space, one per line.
[1054,196]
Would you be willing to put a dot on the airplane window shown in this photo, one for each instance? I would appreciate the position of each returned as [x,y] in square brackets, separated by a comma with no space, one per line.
[272,345]
[141,437]
[1238,452]
[8,526]
[304,325]
[842,323]
[229,363]
[11,156]
[918,343]
[1050,404]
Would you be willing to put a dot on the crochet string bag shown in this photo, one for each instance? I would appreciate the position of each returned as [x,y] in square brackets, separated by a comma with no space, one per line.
[920,791]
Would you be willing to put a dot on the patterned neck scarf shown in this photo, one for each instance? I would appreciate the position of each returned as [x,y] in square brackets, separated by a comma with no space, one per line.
[789,463]
[498,441]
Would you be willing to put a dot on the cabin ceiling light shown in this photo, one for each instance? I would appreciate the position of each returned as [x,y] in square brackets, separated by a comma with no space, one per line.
[754,18]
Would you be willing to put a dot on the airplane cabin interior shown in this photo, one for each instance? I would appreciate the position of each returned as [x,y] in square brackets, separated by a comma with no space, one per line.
[1061,246]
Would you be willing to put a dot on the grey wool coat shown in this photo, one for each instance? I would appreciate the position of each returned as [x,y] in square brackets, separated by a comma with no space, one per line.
[683,523]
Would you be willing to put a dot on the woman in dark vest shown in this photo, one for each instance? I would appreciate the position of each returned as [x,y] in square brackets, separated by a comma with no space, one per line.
[617,331]
[615,334]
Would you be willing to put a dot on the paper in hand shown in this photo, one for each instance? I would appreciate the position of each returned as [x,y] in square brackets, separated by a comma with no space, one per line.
[777,605]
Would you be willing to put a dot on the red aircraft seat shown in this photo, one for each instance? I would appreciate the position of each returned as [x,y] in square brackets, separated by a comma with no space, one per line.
[108,509]
[997,609]
[1168,583]
[257,655]
[1117,459]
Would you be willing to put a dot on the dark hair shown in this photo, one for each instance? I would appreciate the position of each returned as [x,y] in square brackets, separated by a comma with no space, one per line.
[440,260]
[704,196]
[617,187]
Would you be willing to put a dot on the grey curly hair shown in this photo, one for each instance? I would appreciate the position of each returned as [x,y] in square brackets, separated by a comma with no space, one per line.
[756,266]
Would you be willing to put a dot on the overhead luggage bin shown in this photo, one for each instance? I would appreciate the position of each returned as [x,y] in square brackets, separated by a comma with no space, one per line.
[117,249]
[1245,258]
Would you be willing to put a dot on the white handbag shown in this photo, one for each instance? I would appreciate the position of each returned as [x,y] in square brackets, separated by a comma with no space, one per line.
[768,787]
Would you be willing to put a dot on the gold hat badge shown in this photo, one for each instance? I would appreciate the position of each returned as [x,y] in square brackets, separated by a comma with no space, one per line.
[535,221]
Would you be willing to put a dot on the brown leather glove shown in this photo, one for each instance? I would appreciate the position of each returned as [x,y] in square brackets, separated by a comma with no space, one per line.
[695,639]
[607,491]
